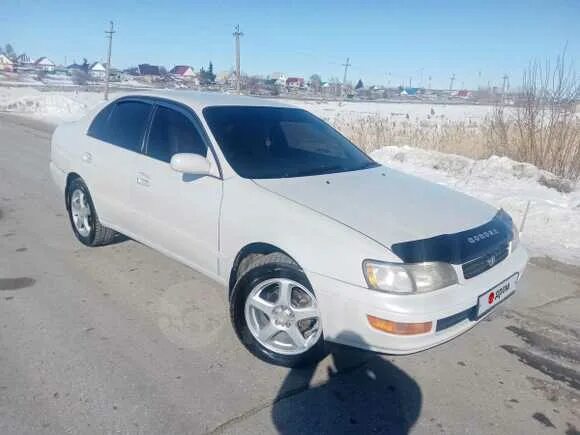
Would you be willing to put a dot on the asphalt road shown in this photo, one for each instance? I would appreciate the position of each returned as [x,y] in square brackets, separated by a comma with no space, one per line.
[121,339]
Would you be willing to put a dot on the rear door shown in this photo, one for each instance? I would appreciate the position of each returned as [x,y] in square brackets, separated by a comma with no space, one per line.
[178,213]
[115,140]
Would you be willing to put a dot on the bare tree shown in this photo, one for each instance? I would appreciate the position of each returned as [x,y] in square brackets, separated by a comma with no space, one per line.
[315,82]
[542,128]
[79,77]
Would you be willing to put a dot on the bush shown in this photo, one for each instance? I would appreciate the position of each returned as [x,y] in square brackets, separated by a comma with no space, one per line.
[543,127]
[79,77]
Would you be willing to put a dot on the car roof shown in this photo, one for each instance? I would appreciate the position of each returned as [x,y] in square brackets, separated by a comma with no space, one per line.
[200,100]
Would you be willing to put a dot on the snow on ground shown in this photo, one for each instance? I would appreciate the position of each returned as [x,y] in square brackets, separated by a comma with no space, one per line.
[553,223]
[552,227]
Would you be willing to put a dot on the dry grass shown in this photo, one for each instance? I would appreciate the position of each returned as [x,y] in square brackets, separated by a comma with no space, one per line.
[372,132]
[549,139]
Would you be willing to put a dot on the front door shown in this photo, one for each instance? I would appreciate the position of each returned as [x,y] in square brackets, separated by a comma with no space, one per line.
[177,213]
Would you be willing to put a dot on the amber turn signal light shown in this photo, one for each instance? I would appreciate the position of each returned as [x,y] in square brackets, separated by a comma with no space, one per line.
[399,328]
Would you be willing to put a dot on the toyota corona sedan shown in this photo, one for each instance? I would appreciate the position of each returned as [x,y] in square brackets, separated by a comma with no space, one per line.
[312,239]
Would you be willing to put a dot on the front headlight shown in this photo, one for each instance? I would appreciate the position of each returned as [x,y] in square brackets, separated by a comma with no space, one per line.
[408,278]
[515,238]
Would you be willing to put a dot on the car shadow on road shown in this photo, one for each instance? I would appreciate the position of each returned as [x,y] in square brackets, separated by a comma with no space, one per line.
[364,393]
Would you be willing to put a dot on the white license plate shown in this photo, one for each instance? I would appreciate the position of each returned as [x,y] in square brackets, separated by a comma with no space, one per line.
[496,295]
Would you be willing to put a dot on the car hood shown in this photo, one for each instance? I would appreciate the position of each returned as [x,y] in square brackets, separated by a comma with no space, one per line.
[384,204]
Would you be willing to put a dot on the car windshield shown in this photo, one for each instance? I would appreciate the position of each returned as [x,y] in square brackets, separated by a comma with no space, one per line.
[278,142]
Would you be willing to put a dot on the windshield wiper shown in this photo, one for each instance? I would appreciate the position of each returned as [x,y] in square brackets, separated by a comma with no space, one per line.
[370,164]
[316,171]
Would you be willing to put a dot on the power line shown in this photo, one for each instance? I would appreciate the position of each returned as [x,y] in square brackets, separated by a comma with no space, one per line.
[109,36]
[237,35]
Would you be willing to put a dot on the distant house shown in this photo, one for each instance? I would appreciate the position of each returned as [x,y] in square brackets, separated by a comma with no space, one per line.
[98,71]
[279,78]
[6,64]
[44,64]
[226,78]
[410,92]
[75,67]
[115,75]
[295,82]
[463,93]
[133,71]
[148,70]
[183,71]
[23,61]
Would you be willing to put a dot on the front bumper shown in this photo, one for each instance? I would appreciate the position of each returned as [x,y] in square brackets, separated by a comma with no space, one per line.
[344,308]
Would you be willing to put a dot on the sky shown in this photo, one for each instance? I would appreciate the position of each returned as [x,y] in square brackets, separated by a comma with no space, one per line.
[387,42]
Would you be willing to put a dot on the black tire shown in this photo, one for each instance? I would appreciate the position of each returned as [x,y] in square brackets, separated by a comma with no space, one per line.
[258,269]
[99,234]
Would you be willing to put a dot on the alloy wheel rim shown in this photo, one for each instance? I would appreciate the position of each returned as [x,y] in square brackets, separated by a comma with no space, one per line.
[81,212]
[283,316]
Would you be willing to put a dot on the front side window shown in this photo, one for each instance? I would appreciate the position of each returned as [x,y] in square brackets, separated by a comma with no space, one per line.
[127,123]
[275,142]
[172,132]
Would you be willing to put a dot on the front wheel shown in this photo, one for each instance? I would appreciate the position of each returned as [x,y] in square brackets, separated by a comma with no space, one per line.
[276,315]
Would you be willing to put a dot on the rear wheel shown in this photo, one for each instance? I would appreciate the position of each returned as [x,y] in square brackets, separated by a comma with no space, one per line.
[83,216]
[276,314]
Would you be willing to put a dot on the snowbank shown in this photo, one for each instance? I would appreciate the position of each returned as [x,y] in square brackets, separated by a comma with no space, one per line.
[552,227]
[52,107]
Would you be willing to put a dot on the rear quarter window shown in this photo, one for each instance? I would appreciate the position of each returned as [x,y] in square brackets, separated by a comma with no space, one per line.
[98,127]
[122,123]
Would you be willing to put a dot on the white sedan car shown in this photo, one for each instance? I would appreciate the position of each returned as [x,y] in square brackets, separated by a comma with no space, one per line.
[312,239]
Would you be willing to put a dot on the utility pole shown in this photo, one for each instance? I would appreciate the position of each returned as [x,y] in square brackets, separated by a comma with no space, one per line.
[452,79]
[237,35]
[345,65]
[506,84]
[109,36]
[505,87]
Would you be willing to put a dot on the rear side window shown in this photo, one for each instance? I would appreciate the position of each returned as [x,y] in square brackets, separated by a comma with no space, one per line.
[127,124]
[172,132]
[98,128]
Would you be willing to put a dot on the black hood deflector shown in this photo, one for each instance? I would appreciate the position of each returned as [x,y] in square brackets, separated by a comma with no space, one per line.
[459,247]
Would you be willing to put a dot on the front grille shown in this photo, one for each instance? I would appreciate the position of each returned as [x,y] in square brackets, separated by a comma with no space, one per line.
[485,262]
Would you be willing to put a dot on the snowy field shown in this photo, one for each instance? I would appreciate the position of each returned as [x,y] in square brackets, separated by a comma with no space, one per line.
[416,111]
[552,227]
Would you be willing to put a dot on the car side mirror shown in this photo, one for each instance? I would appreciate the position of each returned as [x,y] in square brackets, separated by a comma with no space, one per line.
[188,163]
